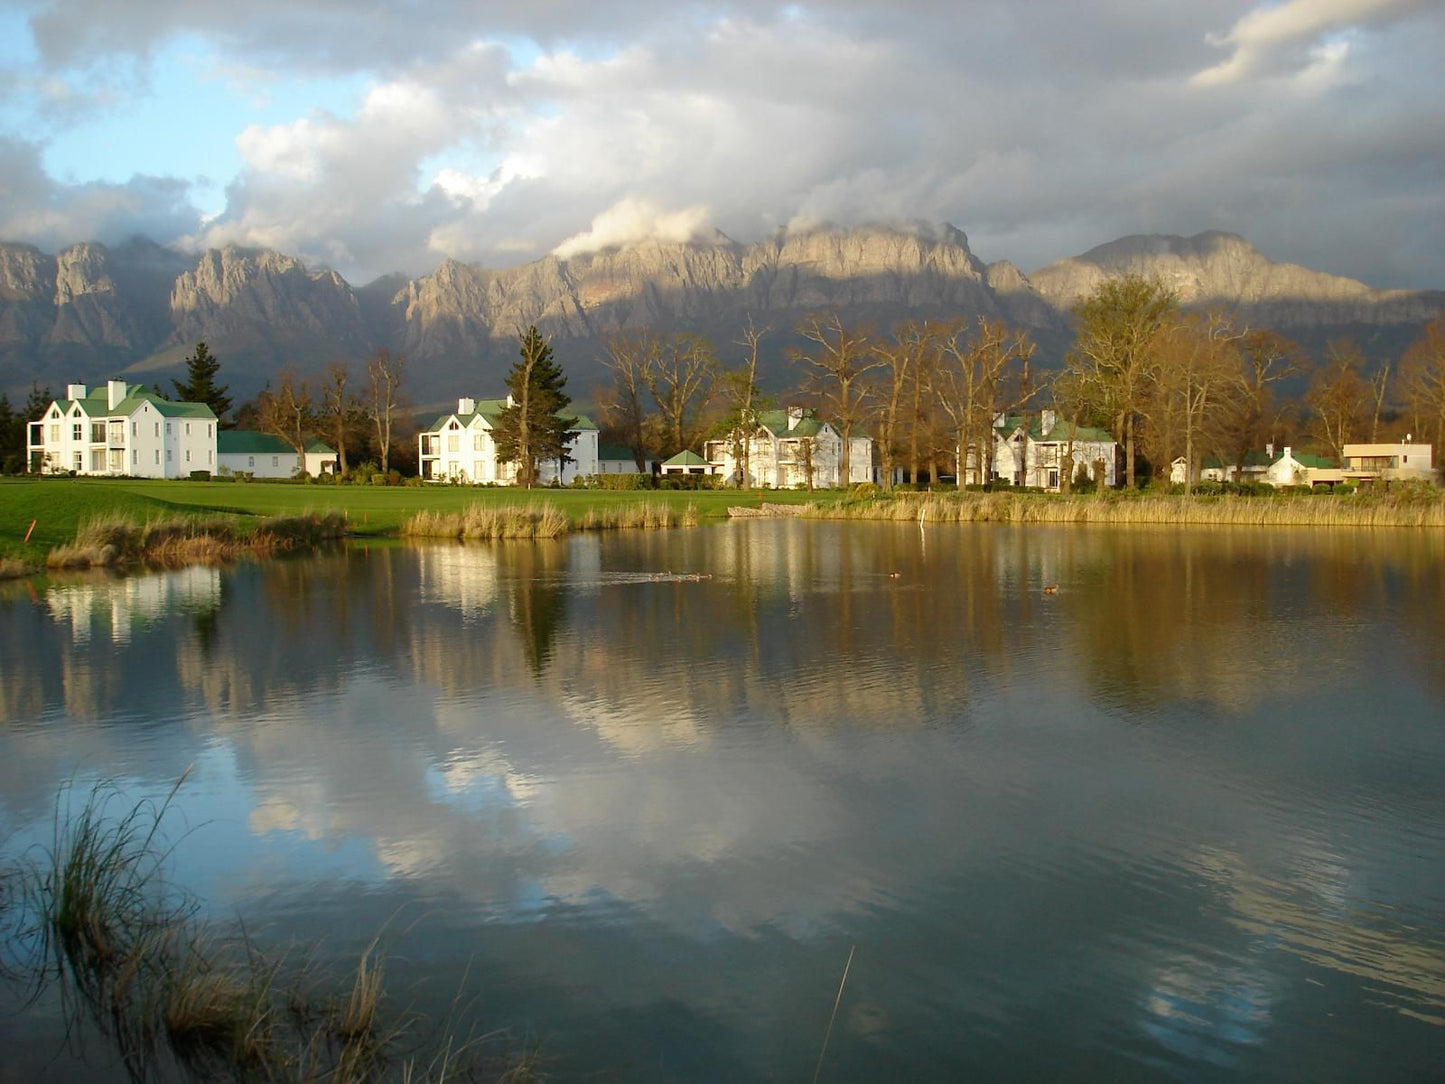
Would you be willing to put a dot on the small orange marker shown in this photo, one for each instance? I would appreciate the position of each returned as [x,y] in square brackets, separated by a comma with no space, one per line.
[28,533]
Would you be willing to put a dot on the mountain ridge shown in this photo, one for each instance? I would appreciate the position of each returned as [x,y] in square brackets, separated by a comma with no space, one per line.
[89,311]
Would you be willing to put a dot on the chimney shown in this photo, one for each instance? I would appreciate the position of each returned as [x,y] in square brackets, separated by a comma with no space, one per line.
[510,401]
[114,393]
[1286,451]
[75,391]
[1269,451]
[1046,422]
[795,415]
[466,406]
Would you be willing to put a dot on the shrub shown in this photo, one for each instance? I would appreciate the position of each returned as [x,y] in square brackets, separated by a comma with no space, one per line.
[200,476]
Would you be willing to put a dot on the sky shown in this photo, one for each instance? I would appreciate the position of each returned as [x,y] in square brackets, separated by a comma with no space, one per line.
[375,136]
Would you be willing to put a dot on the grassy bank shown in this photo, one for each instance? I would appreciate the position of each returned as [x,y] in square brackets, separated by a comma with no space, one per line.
[1400,507]
[543,519]
[60,506]
[94,916]
[115,541]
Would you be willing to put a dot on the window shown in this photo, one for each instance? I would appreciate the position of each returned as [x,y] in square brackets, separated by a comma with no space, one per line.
[188,455]
[168,428]
[452,442]
[134,457]
[477,471]
[168,455]
[158,455]
[188,428]
[135,429]
[477,442]
[209,429]
[275,461]
[210,457]
[250,461]
[158,428]
[55,434]
[76,431]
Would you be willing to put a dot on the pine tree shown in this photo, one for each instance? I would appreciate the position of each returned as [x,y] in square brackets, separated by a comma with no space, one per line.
[200,385]
[12,444]
[35,408]
[535,426]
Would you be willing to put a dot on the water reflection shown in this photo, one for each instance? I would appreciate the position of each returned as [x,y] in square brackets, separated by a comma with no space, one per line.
[678,774]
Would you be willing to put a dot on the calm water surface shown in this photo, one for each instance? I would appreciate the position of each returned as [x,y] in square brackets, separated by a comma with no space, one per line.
[639,794]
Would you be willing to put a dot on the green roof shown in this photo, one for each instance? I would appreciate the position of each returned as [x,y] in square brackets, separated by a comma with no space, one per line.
[320,447]
[686,458]
[250,442]
[776,422]
[614,451]
[490,410]
[1061,431]
[96,405]
[1262,461]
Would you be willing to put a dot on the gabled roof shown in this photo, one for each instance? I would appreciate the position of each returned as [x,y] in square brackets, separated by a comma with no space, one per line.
[490,411]
[686,458]
[95,405]
[1060,432]
[615,451]
[317,446]
[776,422]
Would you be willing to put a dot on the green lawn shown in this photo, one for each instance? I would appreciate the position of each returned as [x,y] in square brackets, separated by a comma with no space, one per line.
[59,505]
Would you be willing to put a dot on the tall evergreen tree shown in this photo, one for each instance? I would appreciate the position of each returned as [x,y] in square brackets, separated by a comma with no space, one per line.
[12,442]
[200,385]
[35,407]
[536,426]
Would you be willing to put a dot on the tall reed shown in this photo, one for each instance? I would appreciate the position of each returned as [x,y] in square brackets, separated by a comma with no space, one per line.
[116,540]
[1358,510]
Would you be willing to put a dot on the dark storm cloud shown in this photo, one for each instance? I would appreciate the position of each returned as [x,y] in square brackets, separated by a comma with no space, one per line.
[1041,129]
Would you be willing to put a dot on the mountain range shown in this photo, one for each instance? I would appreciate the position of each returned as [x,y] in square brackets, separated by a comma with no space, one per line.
[135,310]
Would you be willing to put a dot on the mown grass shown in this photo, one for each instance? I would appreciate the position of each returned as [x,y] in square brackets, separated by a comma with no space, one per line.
[60,505]
[99,917]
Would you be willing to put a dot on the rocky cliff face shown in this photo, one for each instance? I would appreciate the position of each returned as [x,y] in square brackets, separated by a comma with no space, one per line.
[93,312]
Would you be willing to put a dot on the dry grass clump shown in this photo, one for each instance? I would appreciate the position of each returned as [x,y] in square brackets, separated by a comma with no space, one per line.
[97,916]
[477,521]
[1405,508]
[117,541]
[643,515]
[12,568]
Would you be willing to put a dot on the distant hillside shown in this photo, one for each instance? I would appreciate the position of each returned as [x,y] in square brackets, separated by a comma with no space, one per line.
[91,311]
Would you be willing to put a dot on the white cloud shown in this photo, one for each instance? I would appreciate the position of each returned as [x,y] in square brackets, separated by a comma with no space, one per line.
[1260,37]
[635,220]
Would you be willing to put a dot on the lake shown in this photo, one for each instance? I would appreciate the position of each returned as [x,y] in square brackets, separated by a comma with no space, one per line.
[637,796]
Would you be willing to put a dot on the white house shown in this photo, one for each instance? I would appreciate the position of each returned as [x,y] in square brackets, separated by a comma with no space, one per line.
[1285,467]
[686,462]
[458,447]
[123,430]
[265,455]
[1037,451]
[785,445]
[1402,462]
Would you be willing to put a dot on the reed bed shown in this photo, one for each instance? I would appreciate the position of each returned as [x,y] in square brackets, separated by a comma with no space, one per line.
[1359,510]
[12,568]
[98,915]
[117,541]
[640,515]
[541,519]
[475,522]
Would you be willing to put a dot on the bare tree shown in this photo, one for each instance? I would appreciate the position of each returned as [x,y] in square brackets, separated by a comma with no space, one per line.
[385,371]
[632,357]
[1337,393]
[1196,364]
[1249,415]
[838,367]
[285,410]
[904,360]
[1121,326]
[682,383]
[340,409]
[1422,375]
[1378,384]
[743,397]
[971,377]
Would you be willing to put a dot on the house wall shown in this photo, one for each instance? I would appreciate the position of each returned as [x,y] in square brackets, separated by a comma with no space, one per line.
[260,464]
[778,460]
[469,454]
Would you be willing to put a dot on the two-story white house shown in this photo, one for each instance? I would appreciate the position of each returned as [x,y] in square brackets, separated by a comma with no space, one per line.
[785,447]
[1039,450]
[459,447]
[123,430]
